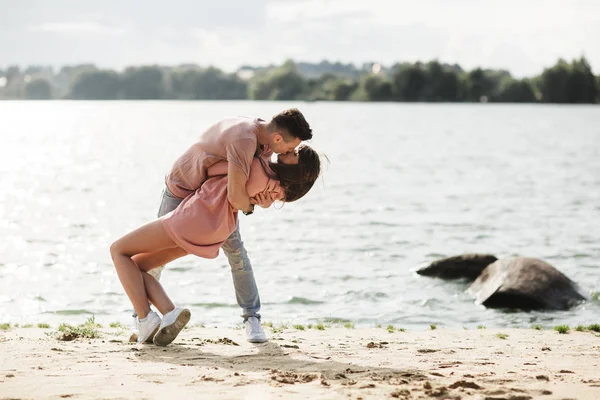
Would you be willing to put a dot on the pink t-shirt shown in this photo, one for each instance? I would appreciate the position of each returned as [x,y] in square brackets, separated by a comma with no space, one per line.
[233,139]
[205,219]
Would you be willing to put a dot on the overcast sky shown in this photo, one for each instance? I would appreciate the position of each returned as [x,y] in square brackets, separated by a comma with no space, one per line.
[522,36]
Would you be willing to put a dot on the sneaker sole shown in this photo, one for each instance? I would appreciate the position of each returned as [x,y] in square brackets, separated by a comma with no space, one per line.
[150,338]
[257,340]
[168,333]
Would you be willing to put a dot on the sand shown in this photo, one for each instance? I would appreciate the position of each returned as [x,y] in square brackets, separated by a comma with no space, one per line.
[337,363]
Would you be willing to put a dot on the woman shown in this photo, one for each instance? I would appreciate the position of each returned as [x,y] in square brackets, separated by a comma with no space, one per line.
[198,226]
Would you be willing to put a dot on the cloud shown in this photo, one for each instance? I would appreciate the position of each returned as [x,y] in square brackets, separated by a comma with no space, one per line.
[510,34]
[78,28]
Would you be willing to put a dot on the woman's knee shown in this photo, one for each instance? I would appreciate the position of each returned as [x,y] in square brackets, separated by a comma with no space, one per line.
[116,249]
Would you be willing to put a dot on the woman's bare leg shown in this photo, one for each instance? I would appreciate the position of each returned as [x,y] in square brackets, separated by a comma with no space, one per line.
[155,259]
[154,290]
[156,294]
[149,238]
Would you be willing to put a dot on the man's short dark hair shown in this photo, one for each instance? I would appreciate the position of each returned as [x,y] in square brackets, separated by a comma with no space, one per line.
[293,122]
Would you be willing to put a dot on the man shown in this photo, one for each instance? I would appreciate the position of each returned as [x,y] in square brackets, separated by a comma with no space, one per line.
[236,140]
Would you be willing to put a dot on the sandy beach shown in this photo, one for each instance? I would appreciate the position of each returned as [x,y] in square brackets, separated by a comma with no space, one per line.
[335,363]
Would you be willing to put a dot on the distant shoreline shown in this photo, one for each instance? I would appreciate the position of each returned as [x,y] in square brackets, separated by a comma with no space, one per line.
[572,82]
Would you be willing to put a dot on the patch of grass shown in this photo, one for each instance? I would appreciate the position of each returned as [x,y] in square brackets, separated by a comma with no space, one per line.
[299,327]
[537,327]
[28,326]
[433,327]
[401,329]
[320,326]
[43,325]
[88,330]
[378,326]
[594,327]
[5,326]
[562,329]
[580,328]
[349,325]
[595,295]
[501,335]
[16,325]
[268,324]
[480,326]
[117,325]
[390,328]
[309,326]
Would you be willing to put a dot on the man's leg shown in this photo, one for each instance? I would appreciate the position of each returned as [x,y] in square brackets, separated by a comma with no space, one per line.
[244,283]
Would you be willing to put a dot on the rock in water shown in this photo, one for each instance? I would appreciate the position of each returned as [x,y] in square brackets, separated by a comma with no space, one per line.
[525,283]
[464,266]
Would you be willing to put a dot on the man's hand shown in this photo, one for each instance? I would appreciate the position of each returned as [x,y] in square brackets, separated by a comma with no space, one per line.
[264,200]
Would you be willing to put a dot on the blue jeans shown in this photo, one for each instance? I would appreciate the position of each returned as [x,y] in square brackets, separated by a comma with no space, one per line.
[246,291]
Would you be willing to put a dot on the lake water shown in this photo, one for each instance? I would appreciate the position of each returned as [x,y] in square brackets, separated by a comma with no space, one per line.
[405,184]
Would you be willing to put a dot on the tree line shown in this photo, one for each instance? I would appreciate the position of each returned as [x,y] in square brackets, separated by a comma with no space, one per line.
[564,82]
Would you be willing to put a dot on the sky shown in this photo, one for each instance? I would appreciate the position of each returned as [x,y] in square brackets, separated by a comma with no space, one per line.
[522,36]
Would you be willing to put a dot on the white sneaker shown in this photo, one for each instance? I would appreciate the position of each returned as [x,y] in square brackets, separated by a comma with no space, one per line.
[254,332]
[147,328]
[172,323]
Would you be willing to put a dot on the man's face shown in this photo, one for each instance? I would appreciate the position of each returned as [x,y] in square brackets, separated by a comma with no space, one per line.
[280,146]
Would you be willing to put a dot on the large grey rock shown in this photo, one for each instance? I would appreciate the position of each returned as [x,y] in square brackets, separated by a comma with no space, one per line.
[464,266]
[525,283]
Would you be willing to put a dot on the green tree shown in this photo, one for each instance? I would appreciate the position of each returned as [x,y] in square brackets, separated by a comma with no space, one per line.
[182,82]
[212,83]
[342,89]
[38,89]
[14,86]
[143,83]
[582,85]
[206,84]
[479,85]
[95,85]
[321,88]
[569,83]
[517,91]
[409,82]
[281,83]
[377,87]
[554,82]
[443,83]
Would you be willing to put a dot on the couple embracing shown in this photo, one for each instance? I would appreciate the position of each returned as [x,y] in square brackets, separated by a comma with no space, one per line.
[229,169]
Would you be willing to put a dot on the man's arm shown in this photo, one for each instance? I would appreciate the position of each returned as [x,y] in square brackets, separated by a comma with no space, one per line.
[236,189]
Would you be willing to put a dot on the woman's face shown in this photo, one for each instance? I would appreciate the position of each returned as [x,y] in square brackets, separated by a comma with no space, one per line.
[288,158]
